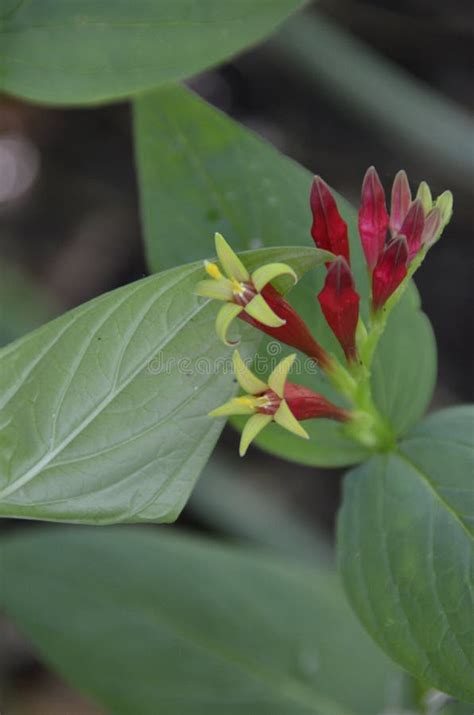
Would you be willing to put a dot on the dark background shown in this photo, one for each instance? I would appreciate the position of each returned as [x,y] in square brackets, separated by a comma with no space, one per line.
[70,228]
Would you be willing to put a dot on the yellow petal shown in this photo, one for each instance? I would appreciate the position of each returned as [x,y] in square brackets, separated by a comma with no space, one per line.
[253,427]
[245,377]
[279,375]
[444,203]
[230,262]
[265,274]
[285,417]
[236,406]
[225,316]
[424,194]
[219,289]
[260,310]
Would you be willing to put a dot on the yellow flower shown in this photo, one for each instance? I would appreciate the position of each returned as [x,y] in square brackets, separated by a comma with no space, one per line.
[265,402]
[240,290]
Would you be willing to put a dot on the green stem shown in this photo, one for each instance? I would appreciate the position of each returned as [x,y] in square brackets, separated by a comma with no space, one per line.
[366,426]
[379,319]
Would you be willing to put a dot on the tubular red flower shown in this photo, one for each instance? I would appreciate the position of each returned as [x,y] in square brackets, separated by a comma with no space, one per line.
[306,404]
[294,332]
[389,272]
[412,228]
[303,403]
[328,230]
[339,302]
[373,217]
[276,400]
[401,200]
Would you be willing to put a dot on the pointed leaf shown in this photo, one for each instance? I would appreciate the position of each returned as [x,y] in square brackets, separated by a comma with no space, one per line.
[104,411]
[406,539]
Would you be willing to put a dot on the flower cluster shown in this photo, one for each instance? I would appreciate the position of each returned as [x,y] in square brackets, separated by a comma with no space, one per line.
[394,245]
[391,243]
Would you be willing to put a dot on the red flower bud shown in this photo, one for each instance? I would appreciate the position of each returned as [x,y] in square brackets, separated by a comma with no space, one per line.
[306,404]
[432,227]
[373,217]
[412,228]
[329,230]
[294,332]
[389,272]
[401,200]
[340,304]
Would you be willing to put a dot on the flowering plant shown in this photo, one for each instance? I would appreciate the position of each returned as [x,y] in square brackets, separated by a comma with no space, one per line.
[415,225]
[319,353]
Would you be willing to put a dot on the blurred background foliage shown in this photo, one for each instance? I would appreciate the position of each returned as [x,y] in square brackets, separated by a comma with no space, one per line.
[351,83]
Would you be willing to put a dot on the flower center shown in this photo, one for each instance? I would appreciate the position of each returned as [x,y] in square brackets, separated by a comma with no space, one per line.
[269,403]
[243,292]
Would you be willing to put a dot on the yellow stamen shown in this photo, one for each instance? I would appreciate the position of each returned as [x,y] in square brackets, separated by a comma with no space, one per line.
[212,270]
[246,401]
[237,287]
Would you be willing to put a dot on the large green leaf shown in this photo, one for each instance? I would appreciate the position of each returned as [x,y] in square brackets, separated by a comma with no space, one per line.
[103,412]
[152,623]
[83,51]
[201,172]
[406,538]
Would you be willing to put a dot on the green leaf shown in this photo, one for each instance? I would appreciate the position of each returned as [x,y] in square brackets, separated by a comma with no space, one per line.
[146,622]
[406,538]
[201,172]
[404,369]
[103,412]
[88,51]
